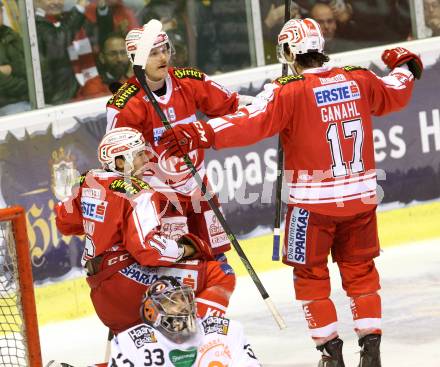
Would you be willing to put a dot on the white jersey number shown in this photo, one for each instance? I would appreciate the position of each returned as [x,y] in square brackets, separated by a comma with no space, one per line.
[352,129]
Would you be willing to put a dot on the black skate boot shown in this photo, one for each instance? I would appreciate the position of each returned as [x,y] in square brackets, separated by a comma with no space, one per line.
[331,354]
[370,351]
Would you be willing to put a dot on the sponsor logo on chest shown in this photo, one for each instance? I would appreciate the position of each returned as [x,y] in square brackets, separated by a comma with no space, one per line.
[297,236]
[93,209]
[336,93]
[215,324]
[142,335]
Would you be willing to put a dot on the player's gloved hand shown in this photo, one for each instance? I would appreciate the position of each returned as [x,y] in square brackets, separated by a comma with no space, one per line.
[399,56]
[184,138]
[201,250]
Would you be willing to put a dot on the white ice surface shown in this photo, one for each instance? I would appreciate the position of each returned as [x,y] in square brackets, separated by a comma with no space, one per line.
[411,317]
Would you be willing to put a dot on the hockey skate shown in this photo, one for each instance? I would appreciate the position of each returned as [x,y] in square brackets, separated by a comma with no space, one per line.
[370,351]
[331,354]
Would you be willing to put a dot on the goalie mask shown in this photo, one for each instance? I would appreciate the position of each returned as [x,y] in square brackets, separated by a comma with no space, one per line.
[169,307]
[299,36]
[120,142]
[133,37]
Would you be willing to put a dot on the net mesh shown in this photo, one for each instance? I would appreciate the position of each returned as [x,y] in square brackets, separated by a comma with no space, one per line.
[12,333]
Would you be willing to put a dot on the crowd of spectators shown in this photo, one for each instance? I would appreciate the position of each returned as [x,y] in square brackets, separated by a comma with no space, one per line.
[82,50]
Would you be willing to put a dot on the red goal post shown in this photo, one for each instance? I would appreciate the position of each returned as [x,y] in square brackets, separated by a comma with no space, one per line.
[19,338]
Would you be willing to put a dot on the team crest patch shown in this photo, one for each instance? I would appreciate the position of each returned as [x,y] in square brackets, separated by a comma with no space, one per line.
[142,335]
[216,324]
[283,80]
[181,73]
[122,96]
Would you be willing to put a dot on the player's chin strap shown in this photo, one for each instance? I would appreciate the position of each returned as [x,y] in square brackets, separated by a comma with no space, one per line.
[149,34]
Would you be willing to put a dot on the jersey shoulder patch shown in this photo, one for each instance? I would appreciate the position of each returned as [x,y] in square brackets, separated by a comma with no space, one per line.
[123,95]
[353,68]
[141,335]
[192,73]
[216,324]
[130,187]
[283,80]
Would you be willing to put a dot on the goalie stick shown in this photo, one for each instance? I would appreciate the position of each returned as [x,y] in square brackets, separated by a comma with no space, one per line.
[150,32]
[280,169]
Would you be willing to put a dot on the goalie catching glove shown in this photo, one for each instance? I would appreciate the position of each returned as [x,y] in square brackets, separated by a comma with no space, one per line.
[184,138]
[399,56]
[190,242]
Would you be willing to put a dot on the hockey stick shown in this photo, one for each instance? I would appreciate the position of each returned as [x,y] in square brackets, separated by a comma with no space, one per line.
[108,346]
[148,36]
[280,169]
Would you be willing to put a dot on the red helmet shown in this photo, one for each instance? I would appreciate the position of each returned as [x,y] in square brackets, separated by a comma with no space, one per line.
[299,36]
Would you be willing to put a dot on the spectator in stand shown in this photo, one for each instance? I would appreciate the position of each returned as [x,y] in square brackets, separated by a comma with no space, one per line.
[325,16]
[381,21]
[432,16]
[273,20]
[109,16]
[113,65]
[172,15]
[13,84]
[66,57]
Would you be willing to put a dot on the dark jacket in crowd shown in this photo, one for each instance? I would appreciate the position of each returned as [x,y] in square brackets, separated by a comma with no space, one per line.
[13,87]
[54,37]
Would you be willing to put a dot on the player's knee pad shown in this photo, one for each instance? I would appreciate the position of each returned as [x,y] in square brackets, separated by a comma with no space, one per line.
[311,283]
[359,278]
[213,300]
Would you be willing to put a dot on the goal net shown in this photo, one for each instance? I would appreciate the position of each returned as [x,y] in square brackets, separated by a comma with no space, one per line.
[19,340]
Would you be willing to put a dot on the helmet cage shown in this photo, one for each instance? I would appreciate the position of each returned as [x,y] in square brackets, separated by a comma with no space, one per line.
[299,36]
[170,307]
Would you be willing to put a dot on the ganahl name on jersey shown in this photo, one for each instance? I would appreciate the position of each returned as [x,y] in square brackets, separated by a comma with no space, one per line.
[336,93]
[132,187]
[216,324]
[93,209]
[192,73]
[141,335]
[147,275]
[123,95]
[296,237]
[283,80]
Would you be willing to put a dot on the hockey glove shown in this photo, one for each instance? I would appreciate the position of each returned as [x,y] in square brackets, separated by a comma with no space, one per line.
[399,56]
[202,250]
[182,139]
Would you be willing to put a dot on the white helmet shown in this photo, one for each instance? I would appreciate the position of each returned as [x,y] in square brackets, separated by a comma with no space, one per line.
[122,141]
[133,37]
[299,36]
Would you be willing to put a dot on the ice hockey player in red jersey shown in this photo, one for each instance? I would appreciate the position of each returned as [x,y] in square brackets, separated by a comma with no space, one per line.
[323,115]
[125,251]
[180,93]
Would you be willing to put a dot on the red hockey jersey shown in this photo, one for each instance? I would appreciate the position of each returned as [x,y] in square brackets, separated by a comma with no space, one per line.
[187,91]
[324,118]
[115,215]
